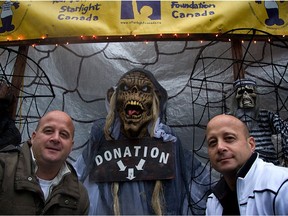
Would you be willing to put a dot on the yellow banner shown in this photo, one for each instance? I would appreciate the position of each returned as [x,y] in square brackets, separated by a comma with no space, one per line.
[25,20]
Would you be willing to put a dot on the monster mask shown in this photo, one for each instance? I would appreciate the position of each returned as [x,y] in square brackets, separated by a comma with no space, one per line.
[140,99]
[245,93]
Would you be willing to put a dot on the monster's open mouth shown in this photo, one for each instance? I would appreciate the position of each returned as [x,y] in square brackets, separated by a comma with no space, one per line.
[134,109]
[247,102]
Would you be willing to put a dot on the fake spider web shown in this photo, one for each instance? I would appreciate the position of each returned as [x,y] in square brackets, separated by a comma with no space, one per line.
[35,92]
[197,76]
[210,91]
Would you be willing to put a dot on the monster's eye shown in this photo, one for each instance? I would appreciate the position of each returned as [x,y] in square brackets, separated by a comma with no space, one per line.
[124,87]
[145,88]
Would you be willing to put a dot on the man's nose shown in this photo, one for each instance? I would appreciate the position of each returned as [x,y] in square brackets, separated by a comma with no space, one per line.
[55,137]
[221,146]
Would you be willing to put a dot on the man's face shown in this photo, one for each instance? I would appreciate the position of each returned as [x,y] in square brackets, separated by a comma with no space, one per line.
[53,141]
[229,147]
[246,96]
[134,103]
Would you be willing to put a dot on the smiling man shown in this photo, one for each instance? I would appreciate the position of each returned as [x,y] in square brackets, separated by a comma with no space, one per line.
[37,179]
[246,188]
[52,142]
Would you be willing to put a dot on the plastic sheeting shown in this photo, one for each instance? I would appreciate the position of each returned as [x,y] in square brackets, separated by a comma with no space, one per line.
[198,77]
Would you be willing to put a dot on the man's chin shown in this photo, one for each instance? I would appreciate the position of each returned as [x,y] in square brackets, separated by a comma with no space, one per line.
[52,156]
[228,170]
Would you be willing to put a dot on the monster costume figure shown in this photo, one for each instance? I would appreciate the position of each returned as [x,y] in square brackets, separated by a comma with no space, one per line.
[264,125]
[135,108]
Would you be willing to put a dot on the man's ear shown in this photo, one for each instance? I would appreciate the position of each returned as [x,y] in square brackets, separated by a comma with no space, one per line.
[33,136]
[252,143]
[110,92]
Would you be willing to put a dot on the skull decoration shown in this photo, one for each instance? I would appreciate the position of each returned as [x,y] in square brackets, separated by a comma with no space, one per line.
[138,102]
[245,93]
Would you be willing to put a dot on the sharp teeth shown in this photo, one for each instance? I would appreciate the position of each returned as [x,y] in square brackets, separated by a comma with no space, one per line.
[135,103]
[132,102]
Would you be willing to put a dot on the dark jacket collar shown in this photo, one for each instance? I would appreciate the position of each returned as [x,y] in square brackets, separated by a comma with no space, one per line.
[222,191]
[246,167]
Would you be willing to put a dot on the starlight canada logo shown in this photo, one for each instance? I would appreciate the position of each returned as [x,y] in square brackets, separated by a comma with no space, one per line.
[139,9]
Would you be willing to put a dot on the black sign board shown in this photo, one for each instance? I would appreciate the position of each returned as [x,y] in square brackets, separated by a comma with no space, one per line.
[134,160]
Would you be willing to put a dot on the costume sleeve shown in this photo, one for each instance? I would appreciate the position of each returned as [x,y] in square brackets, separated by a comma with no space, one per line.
[195,180]
[200,182]
[1,171]
[280,127]
[85,161]
[10,134]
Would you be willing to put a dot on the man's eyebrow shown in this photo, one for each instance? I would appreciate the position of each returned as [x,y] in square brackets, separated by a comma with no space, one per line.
[229,132]
[67,131]
[47,126]
[210,137]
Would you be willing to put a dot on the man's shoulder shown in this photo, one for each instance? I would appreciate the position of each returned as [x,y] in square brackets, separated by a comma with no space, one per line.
[10,149]
[9,156]
[75,177]
[278,174]
[272,167]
